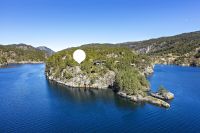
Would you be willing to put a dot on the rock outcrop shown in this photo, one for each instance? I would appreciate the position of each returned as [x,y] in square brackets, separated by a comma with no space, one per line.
[121,69]
[148,70]
[187,59]
[149,99]
[164,96]
[74,77]
[168,95]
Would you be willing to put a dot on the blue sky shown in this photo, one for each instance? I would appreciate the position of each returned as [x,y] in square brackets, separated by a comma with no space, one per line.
[59,24]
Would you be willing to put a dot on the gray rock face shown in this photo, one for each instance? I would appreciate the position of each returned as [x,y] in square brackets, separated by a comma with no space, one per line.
[149,70]
[157,101]
[149,99]
[48,51]
[163,96]
[76,78]
[168,95]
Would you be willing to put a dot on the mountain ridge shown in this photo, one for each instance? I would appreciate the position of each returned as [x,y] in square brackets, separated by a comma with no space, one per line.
[21,53]
[182,49]
[48,51]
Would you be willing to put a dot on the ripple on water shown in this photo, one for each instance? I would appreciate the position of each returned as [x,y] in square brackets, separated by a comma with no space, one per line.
[29,103]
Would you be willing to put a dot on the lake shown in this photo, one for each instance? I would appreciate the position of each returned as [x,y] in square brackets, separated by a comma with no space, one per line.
[29,103]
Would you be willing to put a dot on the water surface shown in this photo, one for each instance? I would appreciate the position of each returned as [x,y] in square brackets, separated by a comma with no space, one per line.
[29,103]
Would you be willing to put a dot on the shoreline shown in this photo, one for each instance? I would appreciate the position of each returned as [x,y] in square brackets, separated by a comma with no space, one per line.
[12,63]
[173,64]
[146,99]
[135,98]
[62,83]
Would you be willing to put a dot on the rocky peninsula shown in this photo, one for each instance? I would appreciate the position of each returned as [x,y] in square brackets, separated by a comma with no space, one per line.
[106,66]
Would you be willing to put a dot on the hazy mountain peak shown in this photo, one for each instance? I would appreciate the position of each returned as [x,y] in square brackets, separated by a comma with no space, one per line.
[46,50]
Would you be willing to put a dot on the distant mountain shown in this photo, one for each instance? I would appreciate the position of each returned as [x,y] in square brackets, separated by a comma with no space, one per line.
[21,53]
[171,44]
[183,49]
[21,46]
[46,50]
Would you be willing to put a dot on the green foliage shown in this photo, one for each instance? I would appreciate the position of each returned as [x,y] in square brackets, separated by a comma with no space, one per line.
[3,60]
[162,90]
[178,49]
[130,81]
[197,55]
[67,75]
[182,47]
[21,52]
[177,45]
[109,57]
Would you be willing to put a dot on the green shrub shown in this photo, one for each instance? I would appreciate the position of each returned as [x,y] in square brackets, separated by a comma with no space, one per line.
[162,90]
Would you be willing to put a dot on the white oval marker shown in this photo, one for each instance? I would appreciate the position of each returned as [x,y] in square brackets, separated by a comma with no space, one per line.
[79,55]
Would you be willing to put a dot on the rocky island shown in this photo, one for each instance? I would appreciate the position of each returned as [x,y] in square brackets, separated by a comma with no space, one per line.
[106,66]
[122,67]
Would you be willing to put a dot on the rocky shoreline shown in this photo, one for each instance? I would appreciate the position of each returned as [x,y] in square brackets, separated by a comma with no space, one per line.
[22,62]
[79,78]
[122,70]
[135,98]
[4,64]
[174,60]
[26,62]
[148,99]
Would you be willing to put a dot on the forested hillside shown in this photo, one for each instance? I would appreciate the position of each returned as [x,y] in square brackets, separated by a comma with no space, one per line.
[181,49]
[102,64]
[21,53]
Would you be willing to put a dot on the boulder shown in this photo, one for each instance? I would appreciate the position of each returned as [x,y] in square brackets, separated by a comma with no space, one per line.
[168,95]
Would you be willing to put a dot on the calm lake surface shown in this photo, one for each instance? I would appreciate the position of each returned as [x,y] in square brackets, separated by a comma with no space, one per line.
[29,103]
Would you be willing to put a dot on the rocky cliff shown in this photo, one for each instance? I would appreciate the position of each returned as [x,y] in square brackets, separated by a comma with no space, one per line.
[75,77]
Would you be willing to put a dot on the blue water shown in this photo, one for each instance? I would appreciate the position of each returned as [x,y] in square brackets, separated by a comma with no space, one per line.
[29,103]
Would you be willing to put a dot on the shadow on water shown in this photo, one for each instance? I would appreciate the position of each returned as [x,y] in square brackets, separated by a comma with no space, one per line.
[82,96]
